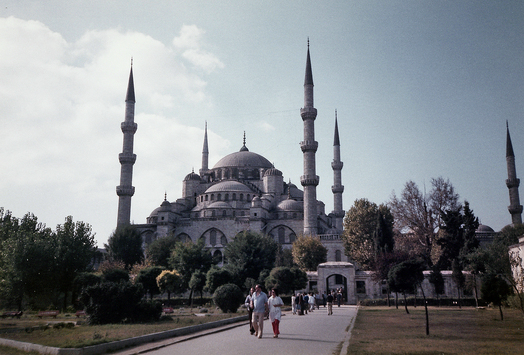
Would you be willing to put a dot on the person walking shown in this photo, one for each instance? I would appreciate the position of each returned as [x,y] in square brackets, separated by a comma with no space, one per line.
[247,302]
[339,298]
[275,304]
[305,302]
[329,300]
[311,301]
[260,306]
[293,304]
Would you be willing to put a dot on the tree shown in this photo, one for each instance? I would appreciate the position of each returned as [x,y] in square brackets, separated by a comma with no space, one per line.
[437,280]
[125,244]
[170,282]
[186,258]
[147,277]
[198,282]
[458,278]
[383,264]
[74,250]
[495,290]
[159,251]
[368,231]
[420,213]
[308,252]
[248,254]
[216,277]
[28,261]
[284,257]
[282,279]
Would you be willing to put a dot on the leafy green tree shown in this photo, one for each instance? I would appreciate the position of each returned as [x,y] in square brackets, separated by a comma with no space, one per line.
[198,282]
[248,254]
[28,262]
[114,272]
[216,277]
[368,232]
[186,258]
[125,244]
[308,252]
[147,277]
[382,264]
[284,257]
[420,213]
[159,251]
[286,279]
[437,280]
[74,250]
[405,278]
[495,290]
[170,282]
[458,277]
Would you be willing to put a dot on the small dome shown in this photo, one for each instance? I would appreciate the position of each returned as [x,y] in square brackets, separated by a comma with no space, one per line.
[484,229]
[228,186]
[192,176]
[291,205]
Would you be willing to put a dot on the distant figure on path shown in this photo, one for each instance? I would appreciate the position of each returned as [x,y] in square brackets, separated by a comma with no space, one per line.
[339,298]
[260,306]
[247,302]
[329,300]
[275,304]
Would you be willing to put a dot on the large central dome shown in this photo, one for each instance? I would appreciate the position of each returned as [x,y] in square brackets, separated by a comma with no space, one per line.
[243,159]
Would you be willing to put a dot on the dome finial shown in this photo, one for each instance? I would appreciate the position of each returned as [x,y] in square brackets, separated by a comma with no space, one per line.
[165,195]
[244,148]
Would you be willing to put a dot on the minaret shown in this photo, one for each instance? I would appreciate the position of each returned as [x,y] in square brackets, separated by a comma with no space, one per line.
[514,208]
[205,155]
[337,187]
[125,190]
[309,148]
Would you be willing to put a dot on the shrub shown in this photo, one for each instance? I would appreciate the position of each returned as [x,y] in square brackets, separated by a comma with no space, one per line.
[147,311]
[228,298]
[111,302]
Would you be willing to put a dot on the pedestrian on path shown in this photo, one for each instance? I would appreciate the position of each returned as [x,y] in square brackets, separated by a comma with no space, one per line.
[275,304]
[247,302]
[329,300]
[260,306]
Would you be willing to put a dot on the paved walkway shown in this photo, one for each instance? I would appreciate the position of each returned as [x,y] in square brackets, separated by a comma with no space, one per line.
[315,333]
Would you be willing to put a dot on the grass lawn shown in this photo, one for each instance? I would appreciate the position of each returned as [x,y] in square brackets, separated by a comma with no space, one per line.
[383,330]
[86,335]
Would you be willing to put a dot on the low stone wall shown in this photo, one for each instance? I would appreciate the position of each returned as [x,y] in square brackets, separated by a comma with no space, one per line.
[121,344]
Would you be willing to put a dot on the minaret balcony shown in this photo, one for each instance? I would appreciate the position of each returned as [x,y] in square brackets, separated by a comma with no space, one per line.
[127,158]
[128,127]
[309,146]
[337,189]
[337,165]
[308,113]
[125,190]
[515,209]
[309,180]
[512,183]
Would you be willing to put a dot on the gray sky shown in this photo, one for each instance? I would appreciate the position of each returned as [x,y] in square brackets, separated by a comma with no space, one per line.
[423,89]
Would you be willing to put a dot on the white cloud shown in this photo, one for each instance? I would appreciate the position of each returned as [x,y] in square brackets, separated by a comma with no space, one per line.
[189,43]
[61,105]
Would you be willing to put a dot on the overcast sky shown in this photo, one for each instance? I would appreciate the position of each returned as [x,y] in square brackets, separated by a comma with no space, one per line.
[423,89]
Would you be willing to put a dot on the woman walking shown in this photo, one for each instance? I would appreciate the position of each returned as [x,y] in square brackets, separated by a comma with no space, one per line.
[275,312]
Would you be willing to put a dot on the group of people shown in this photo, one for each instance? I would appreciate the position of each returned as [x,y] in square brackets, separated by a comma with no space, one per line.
[258,305]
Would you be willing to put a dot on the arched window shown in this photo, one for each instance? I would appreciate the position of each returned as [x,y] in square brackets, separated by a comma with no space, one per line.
[223,240]
[281,235]
[226,197]
[213,237]
[292,237]
[212,197]
[234,196]
[219,197]
[338,255]
[224,213]
[241,197]
[206,197]
[217,256]
[285,215]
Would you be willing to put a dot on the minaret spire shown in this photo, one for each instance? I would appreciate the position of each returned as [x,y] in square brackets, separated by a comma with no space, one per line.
[205,154]
[337,187]
[309,147]
[127,159]
[514,208]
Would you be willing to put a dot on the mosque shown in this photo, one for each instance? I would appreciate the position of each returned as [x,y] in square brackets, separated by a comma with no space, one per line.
[244,191]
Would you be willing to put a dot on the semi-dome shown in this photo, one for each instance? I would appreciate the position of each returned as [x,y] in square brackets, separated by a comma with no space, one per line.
[243,159]
[192,176]
[273,172]
[219,204]
[291,205]
[228,186]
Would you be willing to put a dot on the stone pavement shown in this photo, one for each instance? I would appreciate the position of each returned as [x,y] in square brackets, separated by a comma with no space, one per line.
[315,333]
